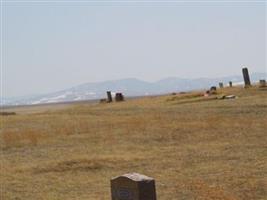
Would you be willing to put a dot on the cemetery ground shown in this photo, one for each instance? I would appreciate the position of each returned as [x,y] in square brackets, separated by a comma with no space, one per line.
[194,147]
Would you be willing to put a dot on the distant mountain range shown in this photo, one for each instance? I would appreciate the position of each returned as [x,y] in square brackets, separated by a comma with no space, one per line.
[129,87]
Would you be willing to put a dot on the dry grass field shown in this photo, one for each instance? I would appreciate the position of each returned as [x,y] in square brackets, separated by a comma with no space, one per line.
[195,147]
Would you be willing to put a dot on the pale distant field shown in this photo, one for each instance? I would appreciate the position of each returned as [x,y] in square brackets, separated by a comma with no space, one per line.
[194,147]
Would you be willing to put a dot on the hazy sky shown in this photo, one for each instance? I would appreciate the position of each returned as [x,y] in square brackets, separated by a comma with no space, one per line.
[53,46]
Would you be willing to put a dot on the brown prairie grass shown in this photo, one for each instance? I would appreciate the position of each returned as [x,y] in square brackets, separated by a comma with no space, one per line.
[17,138]
[195,148]
[209,192]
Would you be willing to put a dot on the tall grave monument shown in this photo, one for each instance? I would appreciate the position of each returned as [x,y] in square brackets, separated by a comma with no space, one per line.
[246,77]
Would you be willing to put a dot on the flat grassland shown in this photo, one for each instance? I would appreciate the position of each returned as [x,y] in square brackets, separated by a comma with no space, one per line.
[195,147]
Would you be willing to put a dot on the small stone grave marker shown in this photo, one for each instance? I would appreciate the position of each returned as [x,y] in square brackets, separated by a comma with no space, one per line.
[119,97]
[263,83]
[133,186]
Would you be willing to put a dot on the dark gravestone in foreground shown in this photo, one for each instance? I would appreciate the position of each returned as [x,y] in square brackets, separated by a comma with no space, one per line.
[246,77]
[109,96]
[230,84]
[133,187]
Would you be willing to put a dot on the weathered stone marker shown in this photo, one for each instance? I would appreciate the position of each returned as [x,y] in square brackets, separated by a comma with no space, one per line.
[133,186]
[221,85]
[263,83]
[230,84]
[119,97]
[246,77]
[109,96]
[213,90]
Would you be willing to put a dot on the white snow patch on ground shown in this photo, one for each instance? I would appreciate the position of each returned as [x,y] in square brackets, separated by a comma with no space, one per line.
[58,97]
[36,102]
[78,98]
[239,83]
[43,99]
[52,101]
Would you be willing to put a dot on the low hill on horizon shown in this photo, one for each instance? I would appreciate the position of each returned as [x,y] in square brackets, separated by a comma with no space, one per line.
[129,87]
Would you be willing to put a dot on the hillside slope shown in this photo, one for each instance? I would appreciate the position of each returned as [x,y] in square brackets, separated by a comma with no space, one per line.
[130,87]
[195,147]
